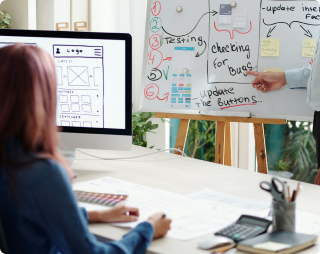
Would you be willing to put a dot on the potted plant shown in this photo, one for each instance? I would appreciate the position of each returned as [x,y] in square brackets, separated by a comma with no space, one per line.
[5,20]
[141,124]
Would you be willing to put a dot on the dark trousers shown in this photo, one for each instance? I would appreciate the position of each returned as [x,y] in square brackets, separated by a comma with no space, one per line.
[316,133]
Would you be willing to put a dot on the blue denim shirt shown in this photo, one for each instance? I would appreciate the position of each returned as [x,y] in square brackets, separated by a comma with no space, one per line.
[307,77]
[40,213]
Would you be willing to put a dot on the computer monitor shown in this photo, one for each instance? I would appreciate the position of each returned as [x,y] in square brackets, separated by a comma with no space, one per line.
[94,80]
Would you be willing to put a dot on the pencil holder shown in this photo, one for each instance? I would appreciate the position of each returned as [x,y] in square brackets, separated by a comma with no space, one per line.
[284,216]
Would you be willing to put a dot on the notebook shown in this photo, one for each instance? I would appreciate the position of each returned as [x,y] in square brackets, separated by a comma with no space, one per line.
[281,242]
[100,198]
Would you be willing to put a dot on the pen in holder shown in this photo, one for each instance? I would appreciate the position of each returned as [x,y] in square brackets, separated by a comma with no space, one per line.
[283,216]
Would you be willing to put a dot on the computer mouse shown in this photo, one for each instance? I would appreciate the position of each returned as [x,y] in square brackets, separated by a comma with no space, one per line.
[214,242]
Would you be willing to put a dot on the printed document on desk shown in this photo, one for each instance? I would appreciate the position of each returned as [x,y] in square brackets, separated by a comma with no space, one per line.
[230,200]
[191,218]
[307,223]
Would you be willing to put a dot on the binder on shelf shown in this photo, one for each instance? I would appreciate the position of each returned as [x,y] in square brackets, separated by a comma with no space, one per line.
[63,26]
[81,26]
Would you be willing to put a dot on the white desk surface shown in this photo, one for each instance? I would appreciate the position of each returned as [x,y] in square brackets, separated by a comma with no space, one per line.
[181,175]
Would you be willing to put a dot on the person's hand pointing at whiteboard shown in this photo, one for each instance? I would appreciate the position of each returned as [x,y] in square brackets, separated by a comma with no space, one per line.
[268,81]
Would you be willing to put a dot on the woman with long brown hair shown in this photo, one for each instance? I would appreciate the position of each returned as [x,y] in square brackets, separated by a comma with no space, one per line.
[38,209]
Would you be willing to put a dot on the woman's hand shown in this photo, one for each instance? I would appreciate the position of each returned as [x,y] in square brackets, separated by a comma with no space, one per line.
[160,223]
[119,213]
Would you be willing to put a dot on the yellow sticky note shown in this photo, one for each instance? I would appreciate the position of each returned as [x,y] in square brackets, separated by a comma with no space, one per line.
[270,47]
[272,246]
[309,47]
[272,69]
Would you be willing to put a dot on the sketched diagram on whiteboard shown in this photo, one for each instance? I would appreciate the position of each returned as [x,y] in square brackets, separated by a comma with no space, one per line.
[80,80]
[231,47]
[206,44]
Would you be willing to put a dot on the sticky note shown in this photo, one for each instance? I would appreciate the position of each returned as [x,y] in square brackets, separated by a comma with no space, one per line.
[272,69]
[272,246]
[270,47]
[309,47]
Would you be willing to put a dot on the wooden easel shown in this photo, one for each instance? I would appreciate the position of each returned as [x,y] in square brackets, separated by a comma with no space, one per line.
[223,135]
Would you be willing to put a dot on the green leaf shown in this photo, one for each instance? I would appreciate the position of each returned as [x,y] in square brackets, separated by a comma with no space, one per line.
[146,115]
[154,126]
[141,124]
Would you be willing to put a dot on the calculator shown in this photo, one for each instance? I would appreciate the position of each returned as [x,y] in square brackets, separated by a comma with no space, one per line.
[245,227]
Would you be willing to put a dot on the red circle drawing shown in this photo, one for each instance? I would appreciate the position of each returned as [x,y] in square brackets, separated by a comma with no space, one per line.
[156,8]
[156,41]
[155,58]
[151,91]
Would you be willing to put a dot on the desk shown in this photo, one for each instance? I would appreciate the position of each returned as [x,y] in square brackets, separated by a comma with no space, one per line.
[181,175]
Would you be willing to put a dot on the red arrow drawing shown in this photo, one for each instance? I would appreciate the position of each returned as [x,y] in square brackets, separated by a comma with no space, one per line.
[168,58]
[166,96]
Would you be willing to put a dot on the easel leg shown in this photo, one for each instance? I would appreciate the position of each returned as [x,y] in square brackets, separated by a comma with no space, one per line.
[182,135]
[227,149]
[220,136]
[260,148]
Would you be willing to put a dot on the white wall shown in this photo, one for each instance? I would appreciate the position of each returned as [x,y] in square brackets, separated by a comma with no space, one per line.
[112,16]
[246,148]
[79,12]
[160,140]
[23,13]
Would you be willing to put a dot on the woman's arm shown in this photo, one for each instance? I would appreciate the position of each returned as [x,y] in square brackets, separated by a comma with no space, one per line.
[65,224]
[119,213]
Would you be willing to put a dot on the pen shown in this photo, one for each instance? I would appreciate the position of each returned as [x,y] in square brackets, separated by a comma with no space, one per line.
[293,195]
[296,192]
[289,197]
[223,249]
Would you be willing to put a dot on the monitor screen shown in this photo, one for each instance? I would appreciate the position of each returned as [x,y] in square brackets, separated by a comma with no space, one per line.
[93,77]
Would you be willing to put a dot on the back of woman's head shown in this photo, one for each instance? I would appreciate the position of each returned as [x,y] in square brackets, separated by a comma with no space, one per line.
[28,94]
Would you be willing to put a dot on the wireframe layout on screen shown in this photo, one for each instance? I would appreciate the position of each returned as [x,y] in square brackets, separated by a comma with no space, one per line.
[91,78]
[80,81]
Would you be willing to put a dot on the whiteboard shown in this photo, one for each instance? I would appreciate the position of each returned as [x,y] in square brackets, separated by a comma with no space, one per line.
[196,54]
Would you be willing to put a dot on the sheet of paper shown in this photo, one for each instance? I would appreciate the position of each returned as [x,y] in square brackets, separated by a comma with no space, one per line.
[114,186]
[225,13]
[309,47]
[307,223]
[231,200]
[209,218]
[272,246]
[240,17]
[93,207]
[191,218]
[270,47]
[183,58]
[272,69]
[149,201]
[181,90]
